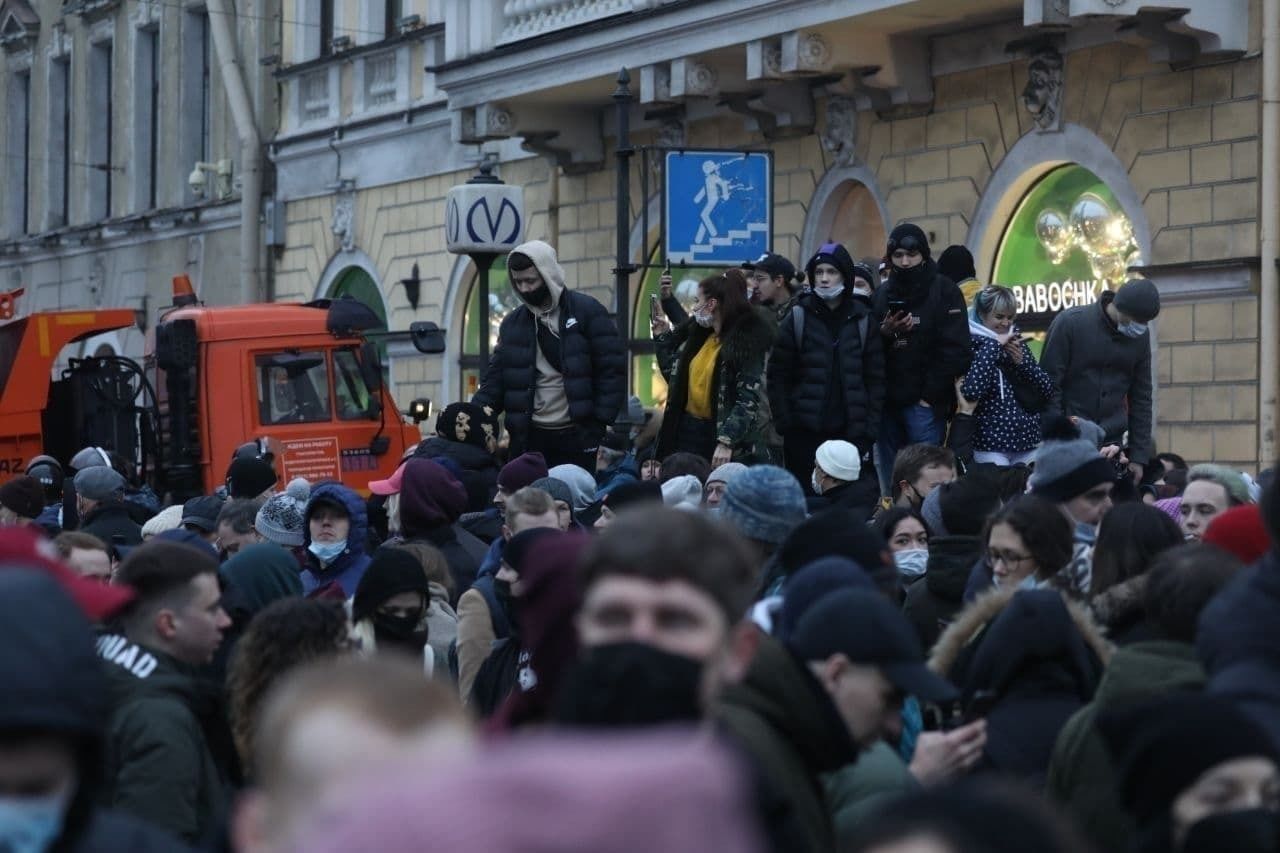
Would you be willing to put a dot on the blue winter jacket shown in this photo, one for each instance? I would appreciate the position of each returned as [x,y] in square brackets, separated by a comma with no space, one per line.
[349,567]
[1003,425]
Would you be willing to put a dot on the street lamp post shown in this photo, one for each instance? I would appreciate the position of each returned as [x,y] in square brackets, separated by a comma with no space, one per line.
[622,261]
[484,218]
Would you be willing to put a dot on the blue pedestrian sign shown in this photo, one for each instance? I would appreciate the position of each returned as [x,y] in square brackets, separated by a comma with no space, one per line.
[719,206]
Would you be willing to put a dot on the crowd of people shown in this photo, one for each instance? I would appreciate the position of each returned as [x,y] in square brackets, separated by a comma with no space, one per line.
[873,579]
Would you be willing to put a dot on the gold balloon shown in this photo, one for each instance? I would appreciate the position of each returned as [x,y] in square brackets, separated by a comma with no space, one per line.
[1108,266]
[1054,234]
[1090,221]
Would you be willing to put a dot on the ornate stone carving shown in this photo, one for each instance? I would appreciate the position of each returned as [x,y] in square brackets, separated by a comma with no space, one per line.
[671,134]
[840,136]
[145,14]
[343,224]
[1042,95]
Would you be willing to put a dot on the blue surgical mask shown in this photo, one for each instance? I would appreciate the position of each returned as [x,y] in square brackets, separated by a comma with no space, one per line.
[911,562]
[1132,329]
[31,824]
[327,552]
[828,291]
[1029,582]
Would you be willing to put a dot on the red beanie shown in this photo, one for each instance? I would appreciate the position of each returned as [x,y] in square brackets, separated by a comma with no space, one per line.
[1240,531]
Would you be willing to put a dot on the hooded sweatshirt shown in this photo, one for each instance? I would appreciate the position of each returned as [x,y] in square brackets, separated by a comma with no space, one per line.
[349,566]
[550,403]
[431,500]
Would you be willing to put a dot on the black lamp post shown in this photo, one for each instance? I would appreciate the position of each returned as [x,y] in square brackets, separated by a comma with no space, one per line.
[484,218]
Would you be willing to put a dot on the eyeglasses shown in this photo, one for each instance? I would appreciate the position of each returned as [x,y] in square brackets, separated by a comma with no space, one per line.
[1007,557]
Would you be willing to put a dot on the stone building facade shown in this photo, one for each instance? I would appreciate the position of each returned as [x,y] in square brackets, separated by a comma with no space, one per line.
[954,118]
[108,106]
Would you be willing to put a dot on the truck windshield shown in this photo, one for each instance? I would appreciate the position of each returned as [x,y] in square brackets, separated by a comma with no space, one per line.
[293,387]
[349,390]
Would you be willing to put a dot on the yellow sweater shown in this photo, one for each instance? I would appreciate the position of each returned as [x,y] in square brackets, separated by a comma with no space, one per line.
[701,370]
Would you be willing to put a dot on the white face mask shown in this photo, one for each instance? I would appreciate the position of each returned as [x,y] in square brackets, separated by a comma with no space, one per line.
[828,291]
[861,289]
[327,552]
[815,483]
[1132,329]
[911,562]
[702,319]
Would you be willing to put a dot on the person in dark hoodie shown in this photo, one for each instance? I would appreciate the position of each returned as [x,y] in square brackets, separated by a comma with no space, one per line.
[336,538]
[52,725]
[431,500]
[964,506]
[826,375]
[1082,775]
[468,434]
[1026,660]
[925,332]
[162,762]
[559,369]
[252,579]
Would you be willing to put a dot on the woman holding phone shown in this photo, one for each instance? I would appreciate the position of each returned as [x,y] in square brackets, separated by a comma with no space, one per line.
[1011,390]
[714,367]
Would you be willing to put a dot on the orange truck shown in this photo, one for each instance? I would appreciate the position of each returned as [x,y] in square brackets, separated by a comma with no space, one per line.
[302,380]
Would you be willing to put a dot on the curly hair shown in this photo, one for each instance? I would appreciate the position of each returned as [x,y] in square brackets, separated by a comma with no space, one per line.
[284,635]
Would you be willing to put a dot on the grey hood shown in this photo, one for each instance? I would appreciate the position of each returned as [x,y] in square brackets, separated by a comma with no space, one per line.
[544,258]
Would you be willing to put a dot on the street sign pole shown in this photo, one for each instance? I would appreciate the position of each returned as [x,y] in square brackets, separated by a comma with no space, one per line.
[622,262]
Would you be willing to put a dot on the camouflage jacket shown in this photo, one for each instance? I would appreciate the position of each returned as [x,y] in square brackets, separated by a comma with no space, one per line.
[740,406]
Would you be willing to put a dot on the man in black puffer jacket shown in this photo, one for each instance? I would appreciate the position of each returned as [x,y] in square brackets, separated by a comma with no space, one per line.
[559,369]
[826,372]
[926,341]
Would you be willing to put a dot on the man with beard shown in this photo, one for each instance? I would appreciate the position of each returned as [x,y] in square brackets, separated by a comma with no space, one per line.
[559,369]
[926,337]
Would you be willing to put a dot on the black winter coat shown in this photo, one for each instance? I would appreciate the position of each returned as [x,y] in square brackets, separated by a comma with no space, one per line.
[108,520]
[923,364]
[801,374]
[591,353]
[479,468]
[933,602]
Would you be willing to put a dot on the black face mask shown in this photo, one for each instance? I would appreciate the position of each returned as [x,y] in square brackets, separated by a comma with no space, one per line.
[912,277]
[624,685]
[539,297]
[1252,830]
[507,601]
[398,631]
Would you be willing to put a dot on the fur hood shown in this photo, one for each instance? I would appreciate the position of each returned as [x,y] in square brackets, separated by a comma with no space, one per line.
[960,635]
[1121,604]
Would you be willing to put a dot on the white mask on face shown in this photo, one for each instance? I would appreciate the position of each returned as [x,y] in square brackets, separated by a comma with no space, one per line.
[1132,329]
[828,292]
[703,319]
[815,483]
[911,562]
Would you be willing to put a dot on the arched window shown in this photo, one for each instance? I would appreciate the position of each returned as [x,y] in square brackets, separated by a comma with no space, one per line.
[359,285]
[646,380]
[481,318]
[1067,241]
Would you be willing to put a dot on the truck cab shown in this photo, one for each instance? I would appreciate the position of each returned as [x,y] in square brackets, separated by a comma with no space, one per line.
[302,380]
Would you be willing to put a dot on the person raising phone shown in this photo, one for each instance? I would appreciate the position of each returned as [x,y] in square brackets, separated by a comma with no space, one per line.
[1011,390]
[926,344]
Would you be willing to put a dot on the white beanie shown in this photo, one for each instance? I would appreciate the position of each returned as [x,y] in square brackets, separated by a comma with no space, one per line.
[839,459]
[683,492]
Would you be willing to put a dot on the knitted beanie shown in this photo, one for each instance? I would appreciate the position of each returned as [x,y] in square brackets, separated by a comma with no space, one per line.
[726,472]
[24,495]
[558,489]
[683,492]
[764,503]
[1162,747]
[281,517]
[1138,299]
[1067,465]
[1240,531]
[522,471]
[1171,507]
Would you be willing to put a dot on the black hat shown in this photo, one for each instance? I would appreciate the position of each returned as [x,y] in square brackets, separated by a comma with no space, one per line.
[956,263]
[468,423]
[813,582]
[249,477]
[910,237]
[867,629]
[1162,747]
[202,512]
[862,271]
[633,493]
[49,472]
[836,533]
[390,572]
[773,265]
[24,495]
[1138,299]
